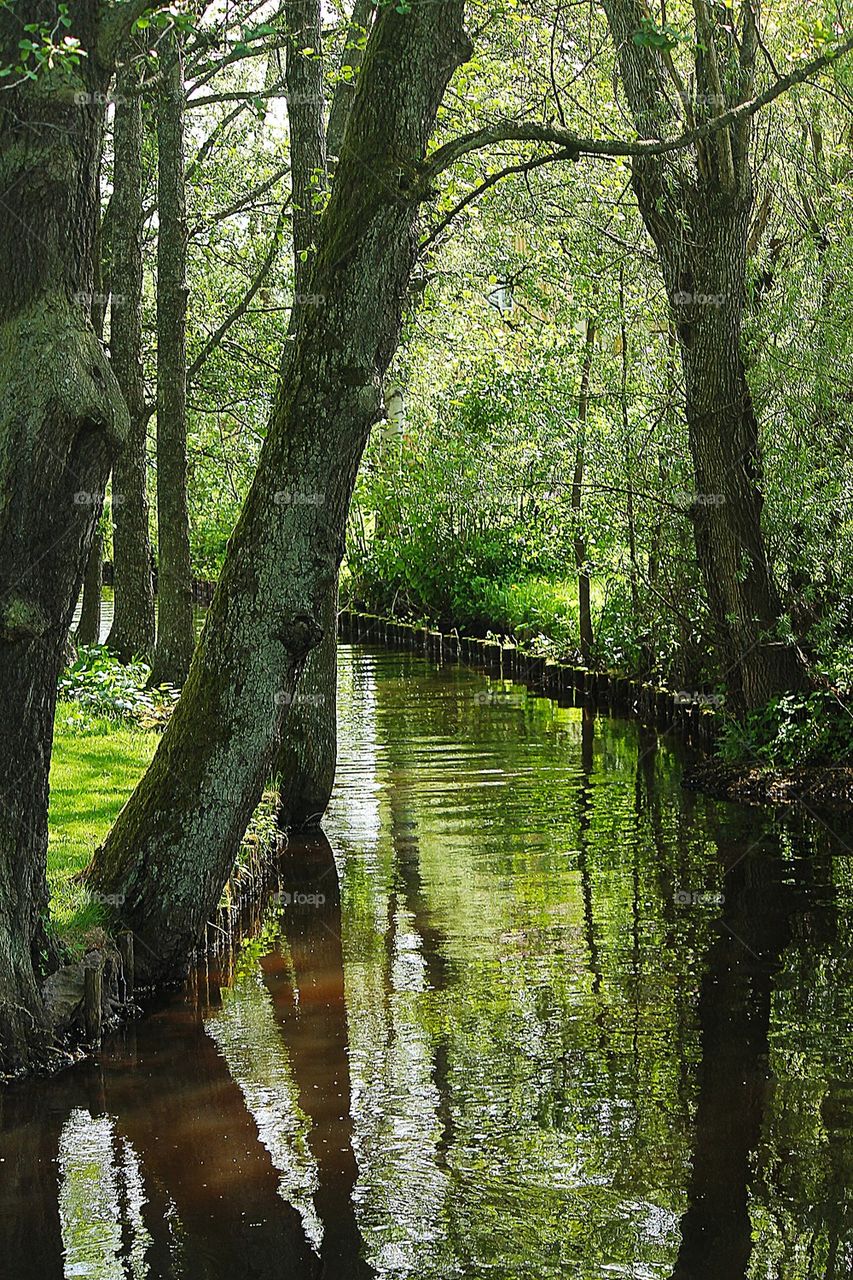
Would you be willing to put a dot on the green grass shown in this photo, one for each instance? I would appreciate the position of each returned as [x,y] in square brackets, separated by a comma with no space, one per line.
[528,608]
[97,761]
[96,764]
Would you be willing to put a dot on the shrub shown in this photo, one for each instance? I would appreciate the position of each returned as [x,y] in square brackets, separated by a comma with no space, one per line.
[101,687]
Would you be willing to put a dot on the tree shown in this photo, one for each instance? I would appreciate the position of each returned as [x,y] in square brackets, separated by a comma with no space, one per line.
[132,632]
[174,842]
[62,420]
[89,624]
[580,546]
[175,627]
[697,207]
[308,754]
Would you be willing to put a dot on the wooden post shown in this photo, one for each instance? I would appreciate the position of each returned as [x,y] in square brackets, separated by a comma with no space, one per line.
[508,656]
[492,656]
[93,986]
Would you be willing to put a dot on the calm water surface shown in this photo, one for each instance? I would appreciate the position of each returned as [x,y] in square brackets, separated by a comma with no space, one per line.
[531,1011]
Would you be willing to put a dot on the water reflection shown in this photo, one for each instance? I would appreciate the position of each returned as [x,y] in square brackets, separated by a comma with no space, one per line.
[531,1011]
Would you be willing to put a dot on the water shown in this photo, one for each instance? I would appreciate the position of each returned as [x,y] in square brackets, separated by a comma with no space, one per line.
[531,1011]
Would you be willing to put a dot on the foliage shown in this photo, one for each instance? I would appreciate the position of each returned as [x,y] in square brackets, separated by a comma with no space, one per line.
[97,686]
[793,731]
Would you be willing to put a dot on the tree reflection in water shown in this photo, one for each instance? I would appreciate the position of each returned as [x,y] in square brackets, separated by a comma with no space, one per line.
[500,1026]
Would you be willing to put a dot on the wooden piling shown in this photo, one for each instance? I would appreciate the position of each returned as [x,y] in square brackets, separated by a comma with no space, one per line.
[93,992]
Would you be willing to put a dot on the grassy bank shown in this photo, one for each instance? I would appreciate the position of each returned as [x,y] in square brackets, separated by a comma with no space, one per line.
[97,761]
[108,724]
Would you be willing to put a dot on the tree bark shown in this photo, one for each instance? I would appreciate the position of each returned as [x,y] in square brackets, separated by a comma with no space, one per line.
[61,420]
[175,841]
[698,215]
[89,624]
[353,54]
[580,547]
[175,629]
[307,758]
[306,762]
[132,631]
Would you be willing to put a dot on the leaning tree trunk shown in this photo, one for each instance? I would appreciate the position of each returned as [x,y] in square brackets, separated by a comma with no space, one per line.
[175,628]
[174,843]
[697,210]
[61,420]
[306,762]
[132,631]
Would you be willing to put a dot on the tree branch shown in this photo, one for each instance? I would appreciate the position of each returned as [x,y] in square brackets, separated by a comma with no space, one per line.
[243,305]
[574,146]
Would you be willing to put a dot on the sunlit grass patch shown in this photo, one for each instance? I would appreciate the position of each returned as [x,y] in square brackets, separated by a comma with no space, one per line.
[96,764]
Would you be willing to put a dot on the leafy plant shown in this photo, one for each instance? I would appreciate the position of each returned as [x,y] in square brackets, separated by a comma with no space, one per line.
[793,731]
[99,686]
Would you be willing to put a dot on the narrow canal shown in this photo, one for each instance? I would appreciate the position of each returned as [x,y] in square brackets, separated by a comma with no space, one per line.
[530,1011]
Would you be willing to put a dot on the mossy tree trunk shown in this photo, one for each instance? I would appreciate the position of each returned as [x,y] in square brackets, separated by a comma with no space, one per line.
[175,629]
[174,843]
[61,421]
[132,631]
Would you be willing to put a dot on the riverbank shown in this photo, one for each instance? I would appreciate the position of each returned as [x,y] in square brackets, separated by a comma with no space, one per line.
[824,787]
[694,717]
[107,728]
[688,714]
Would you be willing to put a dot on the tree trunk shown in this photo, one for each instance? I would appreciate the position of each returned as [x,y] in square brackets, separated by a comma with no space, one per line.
[132,631]
[175,629]
[61,420]
[306,762]
[580,547]
[307,758]
[705,277]
[89,625]
[174,843]
[362,17]
[697,210]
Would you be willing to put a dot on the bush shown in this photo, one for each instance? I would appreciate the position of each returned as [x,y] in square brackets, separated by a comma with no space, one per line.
[101,687]
[793,731]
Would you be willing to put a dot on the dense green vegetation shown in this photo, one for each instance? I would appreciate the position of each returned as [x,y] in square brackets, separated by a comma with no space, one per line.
[546,336]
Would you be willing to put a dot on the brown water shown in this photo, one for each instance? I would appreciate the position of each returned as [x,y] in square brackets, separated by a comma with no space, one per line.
[531,1011]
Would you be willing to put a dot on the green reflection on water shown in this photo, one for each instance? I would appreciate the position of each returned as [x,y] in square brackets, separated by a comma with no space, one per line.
[558,1017]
